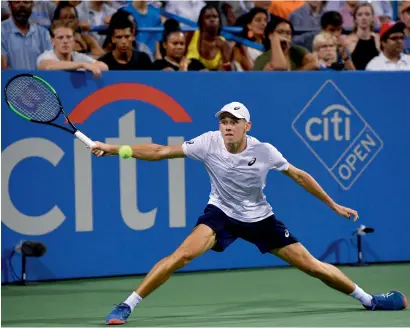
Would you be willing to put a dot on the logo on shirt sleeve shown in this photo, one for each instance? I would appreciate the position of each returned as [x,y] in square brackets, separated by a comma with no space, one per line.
[252,161]
[189,142]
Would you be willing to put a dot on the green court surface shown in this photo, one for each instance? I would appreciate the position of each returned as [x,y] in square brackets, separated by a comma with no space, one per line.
[261,297]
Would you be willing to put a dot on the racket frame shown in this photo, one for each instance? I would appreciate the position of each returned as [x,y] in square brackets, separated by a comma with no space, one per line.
[87,141]
[50,122]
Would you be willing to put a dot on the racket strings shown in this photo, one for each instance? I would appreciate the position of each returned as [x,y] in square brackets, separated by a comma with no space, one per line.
[33,99]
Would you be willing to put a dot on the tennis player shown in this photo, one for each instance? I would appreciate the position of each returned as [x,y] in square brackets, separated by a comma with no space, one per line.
[238,165]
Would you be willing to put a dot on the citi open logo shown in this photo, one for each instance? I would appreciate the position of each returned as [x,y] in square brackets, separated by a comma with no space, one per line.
[336,133]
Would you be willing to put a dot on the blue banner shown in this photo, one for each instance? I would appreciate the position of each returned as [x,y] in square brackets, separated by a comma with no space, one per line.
[101,217]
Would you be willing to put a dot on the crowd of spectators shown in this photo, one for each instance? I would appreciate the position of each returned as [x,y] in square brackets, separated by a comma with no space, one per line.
[280,35]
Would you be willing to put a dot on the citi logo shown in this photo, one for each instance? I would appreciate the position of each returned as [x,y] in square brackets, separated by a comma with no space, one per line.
[331,125]
[252,161]
[82,185]
[337,134]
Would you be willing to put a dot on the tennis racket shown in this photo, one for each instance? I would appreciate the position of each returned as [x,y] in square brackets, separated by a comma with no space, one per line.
[35,100]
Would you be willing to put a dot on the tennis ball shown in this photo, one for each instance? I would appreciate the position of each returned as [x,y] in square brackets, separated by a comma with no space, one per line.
[125,152]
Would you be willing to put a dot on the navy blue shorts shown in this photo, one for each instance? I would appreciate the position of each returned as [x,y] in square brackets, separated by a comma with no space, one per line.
[266,234]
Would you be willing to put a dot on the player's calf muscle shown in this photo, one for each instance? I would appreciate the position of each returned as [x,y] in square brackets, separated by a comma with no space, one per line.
[182,256]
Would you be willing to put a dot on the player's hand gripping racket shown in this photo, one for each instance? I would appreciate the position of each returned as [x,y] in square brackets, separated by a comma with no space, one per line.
[33,99]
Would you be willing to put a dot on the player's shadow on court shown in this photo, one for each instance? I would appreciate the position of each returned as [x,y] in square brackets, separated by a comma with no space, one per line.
[264,311]
[224,318]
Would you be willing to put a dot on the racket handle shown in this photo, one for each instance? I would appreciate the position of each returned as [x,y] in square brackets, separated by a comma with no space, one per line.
[87,141]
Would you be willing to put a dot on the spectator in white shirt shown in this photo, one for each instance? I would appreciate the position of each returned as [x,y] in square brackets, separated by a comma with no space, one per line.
[188,9]
[96,13]
[62,57]
[392,57]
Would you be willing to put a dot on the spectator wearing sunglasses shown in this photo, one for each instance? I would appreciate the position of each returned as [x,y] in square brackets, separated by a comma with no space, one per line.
[391,57]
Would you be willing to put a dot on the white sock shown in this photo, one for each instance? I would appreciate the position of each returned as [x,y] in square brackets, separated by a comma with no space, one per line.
[360,295]
[133,300]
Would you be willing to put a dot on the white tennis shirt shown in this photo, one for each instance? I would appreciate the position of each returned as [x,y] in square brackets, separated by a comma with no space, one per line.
[237,180]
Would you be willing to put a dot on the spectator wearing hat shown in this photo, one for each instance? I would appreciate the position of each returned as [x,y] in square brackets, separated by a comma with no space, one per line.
[392,57]
[405,18]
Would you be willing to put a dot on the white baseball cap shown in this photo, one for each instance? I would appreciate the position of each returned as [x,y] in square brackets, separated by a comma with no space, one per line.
[236,109]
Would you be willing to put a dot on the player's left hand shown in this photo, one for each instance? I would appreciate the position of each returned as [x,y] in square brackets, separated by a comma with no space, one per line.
[348,213]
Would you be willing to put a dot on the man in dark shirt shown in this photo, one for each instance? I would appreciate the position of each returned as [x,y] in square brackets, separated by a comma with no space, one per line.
[124,57]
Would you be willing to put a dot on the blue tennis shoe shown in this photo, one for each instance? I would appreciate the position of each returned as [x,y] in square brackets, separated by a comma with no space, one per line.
[119,315]
[393,301]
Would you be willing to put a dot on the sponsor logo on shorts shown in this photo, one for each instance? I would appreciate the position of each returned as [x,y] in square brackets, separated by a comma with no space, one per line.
[286,233]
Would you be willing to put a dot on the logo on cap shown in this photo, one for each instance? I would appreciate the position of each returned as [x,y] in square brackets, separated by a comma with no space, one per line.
[237,108]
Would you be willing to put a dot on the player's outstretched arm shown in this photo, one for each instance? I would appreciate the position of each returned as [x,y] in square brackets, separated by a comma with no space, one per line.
[147,152]
[305,180]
